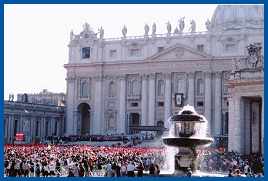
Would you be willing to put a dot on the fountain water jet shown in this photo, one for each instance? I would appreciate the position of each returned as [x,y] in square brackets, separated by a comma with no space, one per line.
[187,132]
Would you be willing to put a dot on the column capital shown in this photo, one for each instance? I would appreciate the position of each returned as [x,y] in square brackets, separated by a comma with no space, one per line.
[70,79]
[191,75]
[152,76]
[207,74]
[97,77]
[121,77]
[218,75]
[144,76]
[167,76]
[108,77]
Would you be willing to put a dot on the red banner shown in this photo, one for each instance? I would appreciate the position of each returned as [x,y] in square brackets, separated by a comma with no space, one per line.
[19,136]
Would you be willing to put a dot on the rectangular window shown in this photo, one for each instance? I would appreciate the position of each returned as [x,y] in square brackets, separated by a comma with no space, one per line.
[86,52]
[200,48]
[135,52]
[134,104]
[160,49]
[113,53]
[200,104]
[160,104]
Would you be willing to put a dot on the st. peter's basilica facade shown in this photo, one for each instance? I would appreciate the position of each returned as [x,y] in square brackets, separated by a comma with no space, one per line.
[115,84]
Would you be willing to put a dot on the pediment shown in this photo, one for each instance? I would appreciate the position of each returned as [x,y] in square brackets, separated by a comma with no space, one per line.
[179,52]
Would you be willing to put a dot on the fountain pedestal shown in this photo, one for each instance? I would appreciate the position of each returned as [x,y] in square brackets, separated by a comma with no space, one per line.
[188,135]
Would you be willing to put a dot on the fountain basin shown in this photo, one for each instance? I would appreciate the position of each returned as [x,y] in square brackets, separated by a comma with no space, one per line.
[187,142]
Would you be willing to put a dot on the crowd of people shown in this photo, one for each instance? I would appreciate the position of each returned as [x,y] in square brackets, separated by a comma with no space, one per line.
[232,163]
[84,160]
[81,160]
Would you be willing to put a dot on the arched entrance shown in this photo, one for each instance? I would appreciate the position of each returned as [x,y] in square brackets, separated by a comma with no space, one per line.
[134,120]
[84,118]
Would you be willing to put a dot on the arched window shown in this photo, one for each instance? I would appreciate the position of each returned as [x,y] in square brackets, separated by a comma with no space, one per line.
[112,89]
[84,88]
[161,88]
[200,87]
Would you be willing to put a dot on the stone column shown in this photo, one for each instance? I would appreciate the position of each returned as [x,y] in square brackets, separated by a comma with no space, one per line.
[234,128]
[122,105]
[208,100]
[10,130]
[151,102]
[97,106]
[191,94]
[44,127]
[168,96]
[144,100]
[70,118]
[77,122]
[217,118]
[262,124]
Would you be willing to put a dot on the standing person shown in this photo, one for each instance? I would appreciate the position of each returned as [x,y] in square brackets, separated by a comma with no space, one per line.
[113,169]
[57,167]
[130,169]
[151,169]
[81,170]
[76,170]
[123,169]
[230,174]
[140,169]
[117,170]
[189,172]
[157,169]
[109,170]
[37,170]
[70,173]
[12,172]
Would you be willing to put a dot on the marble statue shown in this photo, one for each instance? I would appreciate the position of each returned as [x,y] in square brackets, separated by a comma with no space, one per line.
[71,35]
[86,27]
[154,29]
[208,24]
[146,29]
[176,31]
[101,31]
[168,27]
[181,24]
[193,26]
[124,31]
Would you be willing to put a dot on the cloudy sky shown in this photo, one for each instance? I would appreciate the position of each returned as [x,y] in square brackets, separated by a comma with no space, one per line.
[36,36]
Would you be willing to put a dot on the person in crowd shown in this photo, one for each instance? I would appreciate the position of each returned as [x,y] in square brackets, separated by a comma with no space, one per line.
[123,169]
[130,169]
[140,169]
[189,172]
[151,169]
[230,174]
[47,160]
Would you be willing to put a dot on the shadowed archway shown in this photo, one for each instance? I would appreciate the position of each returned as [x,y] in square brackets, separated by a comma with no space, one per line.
[84,117]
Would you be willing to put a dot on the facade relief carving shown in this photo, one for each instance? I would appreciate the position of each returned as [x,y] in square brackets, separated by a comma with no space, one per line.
[111,121]
[253,62]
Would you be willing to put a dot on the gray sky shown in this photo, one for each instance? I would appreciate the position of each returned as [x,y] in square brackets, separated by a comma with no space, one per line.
[36,36]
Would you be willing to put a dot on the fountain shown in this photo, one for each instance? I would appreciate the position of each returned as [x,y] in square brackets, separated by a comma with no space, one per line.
[188,131]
